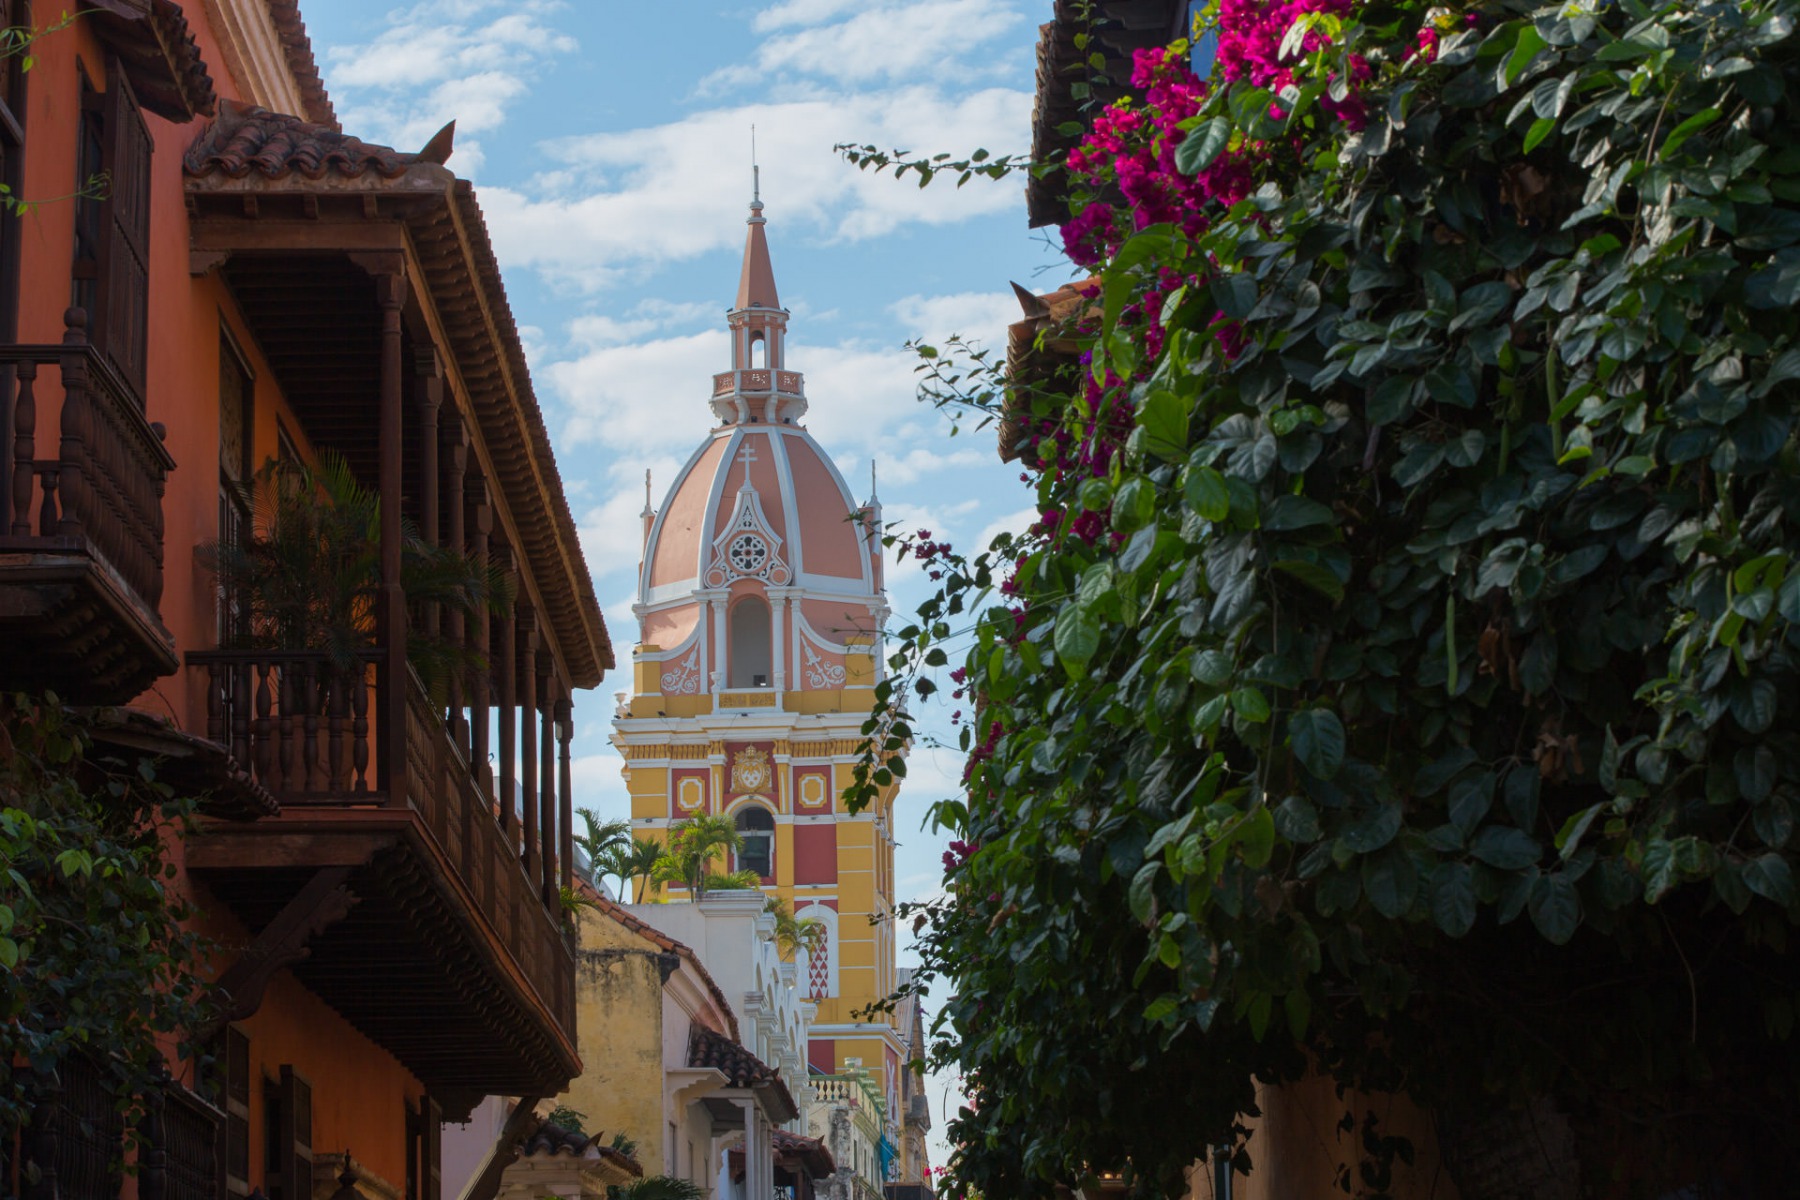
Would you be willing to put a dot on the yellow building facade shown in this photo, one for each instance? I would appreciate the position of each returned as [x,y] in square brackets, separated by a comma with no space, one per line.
[760,604]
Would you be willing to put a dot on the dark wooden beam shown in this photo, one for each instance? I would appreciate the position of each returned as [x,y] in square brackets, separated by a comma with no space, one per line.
[320,904]
[321,234]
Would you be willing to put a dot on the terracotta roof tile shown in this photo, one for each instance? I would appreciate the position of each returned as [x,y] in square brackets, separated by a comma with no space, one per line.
[159,54]
[297,48]
[552,1139]
[810,1151]
[742,1068]
[247,139]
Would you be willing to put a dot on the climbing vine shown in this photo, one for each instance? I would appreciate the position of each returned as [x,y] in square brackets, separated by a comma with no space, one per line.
[1401,679]
[95,956]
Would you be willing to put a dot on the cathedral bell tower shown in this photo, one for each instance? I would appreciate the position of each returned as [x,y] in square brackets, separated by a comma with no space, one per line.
[760,604]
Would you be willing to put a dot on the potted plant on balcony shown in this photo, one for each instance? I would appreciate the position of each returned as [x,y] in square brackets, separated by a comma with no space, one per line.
[307,574]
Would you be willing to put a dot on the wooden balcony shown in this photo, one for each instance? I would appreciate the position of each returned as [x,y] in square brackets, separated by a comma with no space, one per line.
[81,525]
[446,951]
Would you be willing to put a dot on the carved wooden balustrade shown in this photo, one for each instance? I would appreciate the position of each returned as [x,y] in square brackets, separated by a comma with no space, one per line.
[105,481]
[81,521]
[311,733]
[75,1145]
[297,721]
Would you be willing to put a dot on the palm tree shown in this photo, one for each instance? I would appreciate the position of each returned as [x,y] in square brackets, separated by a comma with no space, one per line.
[635,861]
[794,934]
[309,574]
[601,843]
[660,1187]
[693,844]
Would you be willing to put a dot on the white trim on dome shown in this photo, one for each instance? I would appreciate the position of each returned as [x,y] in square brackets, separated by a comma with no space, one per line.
[790,508]
[656,528]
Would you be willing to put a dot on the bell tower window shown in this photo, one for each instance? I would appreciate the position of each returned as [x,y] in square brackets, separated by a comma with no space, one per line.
[751,658]
[757,829]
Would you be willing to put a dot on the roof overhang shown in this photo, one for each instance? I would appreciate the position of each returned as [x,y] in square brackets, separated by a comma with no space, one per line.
[269,185]
[158,53]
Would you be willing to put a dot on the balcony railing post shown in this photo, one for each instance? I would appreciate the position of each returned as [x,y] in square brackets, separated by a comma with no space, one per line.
[75,422]
[507,675]
[391,680]
[478,684]
[456,438]
[528,748]
[547,827]
[565,732]
[24,448]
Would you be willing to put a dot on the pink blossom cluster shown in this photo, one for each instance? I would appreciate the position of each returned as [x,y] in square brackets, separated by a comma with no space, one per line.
[1131,147]
[958,854]
[1250,37]
[1134,148]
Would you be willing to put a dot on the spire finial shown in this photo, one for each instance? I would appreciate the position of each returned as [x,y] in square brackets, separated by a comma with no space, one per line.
[647,509]
[756,204]
[872,490]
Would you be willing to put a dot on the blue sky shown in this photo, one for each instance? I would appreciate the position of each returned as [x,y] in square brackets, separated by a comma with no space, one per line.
[610,145]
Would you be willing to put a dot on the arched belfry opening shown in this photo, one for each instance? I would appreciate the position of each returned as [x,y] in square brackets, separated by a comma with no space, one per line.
[759,351]
[752,663]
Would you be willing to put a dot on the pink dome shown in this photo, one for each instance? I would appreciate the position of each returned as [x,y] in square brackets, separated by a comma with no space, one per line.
[796,504]
[761,573]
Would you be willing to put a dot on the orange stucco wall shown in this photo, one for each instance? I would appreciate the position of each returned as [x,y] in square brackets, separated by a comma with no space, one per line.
[359,1090]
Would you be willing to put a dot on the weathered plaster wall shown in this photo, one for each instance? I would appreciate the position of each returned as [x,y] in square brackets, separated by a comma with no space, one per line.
[619,1023]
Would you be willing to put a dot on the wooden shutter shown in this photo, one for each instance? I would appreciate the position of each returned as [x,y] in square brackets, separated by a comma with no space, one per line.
[235,1061]
[124,300]
[434,1150]
[294,1151]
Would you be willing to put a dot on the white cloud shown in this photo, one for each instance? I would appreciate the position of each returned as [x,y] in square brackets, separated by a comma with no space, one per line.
[974,316]
[444,60]
[899,40]
[799,12]
[616,205]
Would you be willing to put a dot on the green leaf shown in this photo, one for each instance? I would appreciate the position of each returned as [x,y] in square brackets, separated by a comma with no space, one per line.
[1318,578]
[1453,898]
[1134,505]
[1294,512]
[1391,881]
[1374,830]
[1686,130]
[1555,907]
[1505,848]
[1317,737]
[1770,877]
[1250,704]
[1568,838]
[1540,129]
[1207,492]
[1297,820]
[1530,43]
[1077,638]
[1142,893]
[1201,146]
[1392,400]
[1299,1012]
[1164,417]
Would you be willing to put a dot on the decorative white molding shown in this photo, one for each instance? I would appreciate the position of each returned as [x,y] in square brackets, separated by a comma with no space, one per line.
[684,680]
[820,675]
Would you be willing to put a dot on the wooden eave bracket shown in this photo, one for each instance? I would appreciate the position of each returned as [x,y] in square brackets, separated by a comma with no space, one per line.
[321,903]
[485,1184]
